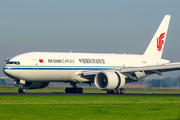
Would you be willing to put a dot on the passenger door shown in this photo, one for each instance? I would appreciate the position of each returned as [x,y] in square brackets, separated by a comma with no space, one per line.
[35,64]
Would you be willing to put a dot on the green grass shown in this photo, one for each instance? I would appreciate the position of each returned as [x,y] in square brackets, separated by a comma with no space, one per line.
[89,107]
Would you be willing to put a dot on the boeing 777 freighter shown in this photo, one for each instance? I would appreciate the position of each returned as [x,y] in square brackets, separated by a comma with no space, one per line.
[109,72]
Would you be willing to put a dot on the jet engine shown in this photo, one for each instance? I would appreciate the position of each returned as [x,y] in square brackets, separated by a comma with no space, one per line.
[36,85]
[108,80]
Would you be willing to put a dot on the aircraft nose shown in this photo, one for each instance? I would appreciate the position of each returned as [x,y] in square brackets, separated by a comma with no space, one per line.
[9,72]
[6,71]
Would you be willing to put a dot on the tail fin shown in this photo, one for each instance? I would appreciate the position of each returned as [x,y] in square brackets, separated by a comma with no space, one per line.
[155,48]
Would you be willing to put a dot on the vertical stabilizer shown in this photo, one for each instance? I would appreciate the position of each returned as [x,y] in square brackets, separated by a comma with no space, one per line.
[155,48]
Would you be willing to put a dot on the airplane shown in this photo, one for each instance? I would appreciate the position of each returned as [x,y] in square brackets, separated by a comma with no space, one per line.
[109,72]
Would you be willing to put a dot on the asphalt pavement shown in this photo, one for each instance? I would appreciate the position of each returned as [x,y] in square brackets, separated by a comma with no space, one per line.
[83,94]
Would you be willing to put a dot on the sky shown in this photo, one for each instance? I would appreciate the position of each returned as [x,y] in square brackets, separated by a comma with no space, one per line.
[95,26]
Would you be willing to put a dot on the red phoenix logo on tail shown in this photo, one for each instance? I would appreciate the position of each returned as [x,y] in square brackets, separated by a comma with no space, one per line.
[160,42]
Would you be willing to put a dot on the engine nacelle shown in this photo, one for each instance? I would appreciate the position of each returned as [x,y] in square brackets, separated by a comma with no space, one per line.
[108,80]
[36,85]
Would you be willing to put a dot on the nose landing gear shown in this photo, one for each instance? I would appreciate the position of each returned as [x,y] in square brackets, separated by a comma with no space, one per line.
[21,90]
[21,87]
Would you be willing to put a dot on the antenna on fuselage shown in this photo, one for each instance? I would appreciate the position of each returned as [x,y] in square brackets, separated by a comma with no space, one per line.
[34,47]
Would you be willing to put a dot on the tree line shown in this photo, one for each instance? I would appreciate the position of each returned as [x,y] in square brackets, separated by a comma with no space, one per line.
[165,82]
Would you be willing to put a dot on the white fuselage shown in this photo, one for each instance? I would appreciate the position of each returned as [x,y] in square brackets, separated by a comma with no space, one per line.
[64,67]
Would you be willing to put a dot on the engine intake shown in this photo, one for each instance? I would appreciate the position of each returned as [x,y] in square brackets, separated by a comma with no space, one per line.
[108,80]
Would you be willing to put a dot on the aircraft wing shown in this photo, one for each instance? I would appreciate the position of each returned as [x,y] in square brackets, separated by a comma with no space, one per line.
[153,69]
[130,72]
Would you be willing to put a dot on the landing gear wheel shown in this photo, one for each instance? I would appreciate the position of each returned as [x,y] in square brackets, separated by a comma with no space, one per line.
[108,91]
[74,90]
[21,90]
[80,90]
[111,91]
[71,90]
[114,91]
[118,91]
[122,91]
[67,90]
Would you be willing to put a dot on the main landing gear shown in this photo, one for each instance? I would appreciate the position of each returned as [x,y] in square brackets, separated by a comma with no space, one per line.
[116,91]
[74,89]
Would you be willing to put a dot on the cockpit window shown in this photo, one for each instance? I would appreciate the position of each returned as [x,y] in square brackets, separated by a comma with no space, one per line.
[14,62]
[10,63]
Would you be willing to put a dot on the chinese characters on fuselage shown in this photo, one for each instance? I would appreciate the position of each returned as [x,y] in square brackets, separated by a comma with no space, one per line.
[94,61]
